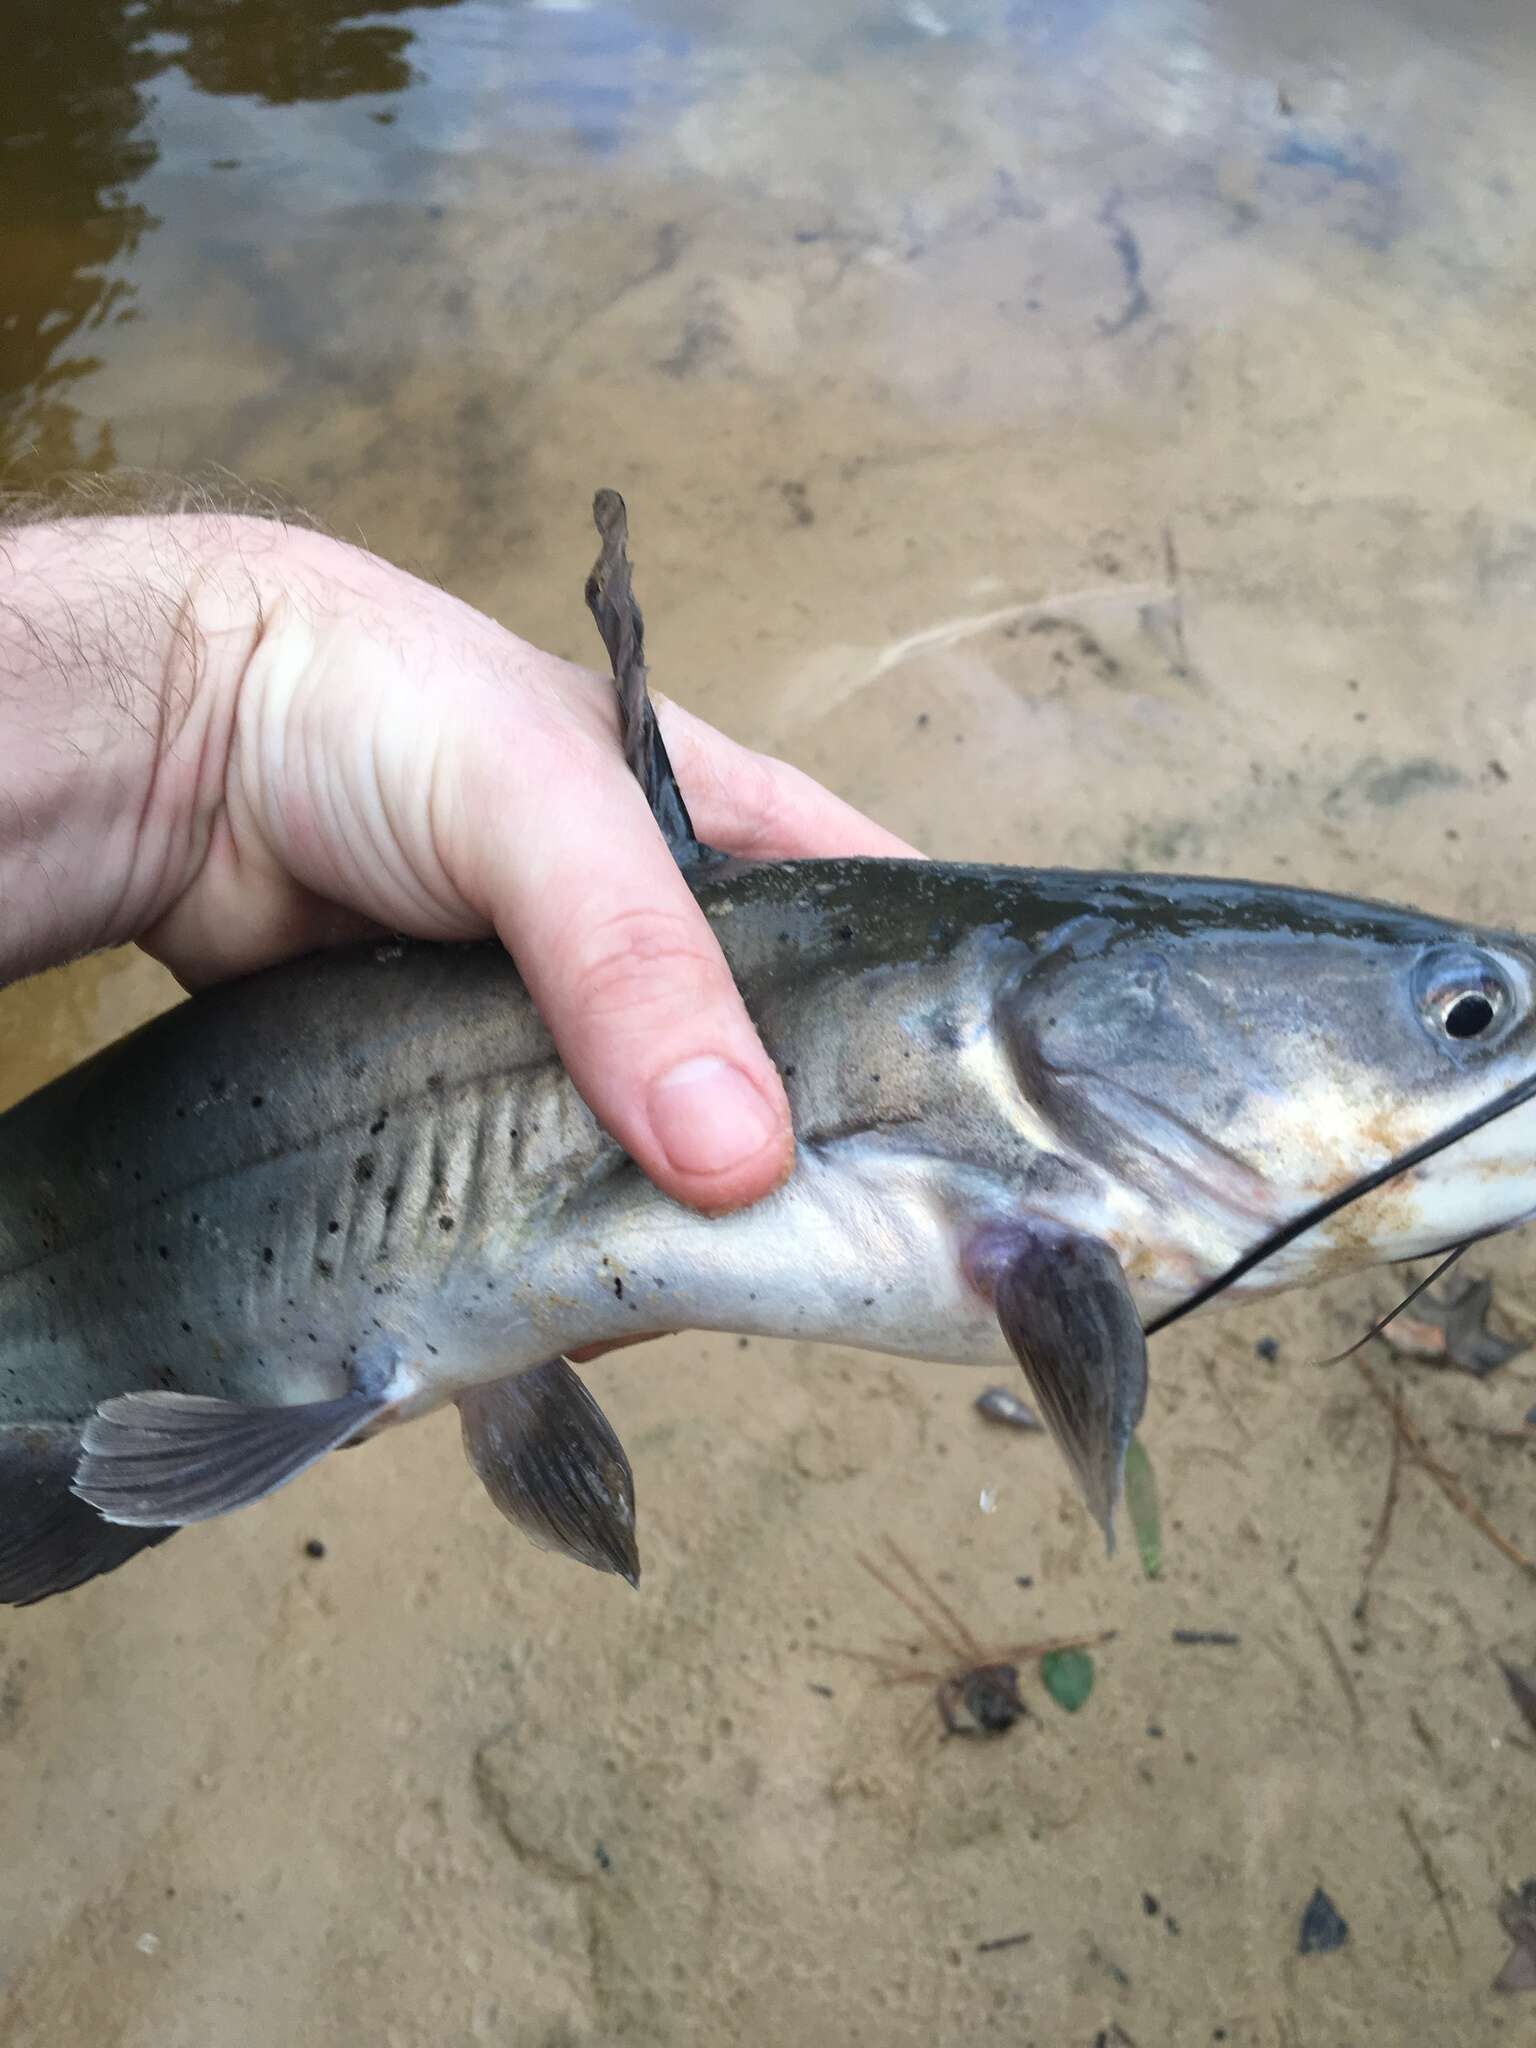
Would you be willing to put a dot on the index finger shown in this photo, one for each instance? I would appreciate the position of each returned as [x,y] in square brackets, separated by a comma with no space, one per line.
[750,804]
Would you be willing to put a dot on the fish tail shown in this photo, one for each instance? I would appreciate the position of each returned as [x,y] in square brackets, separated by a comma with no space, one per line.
[51,1541]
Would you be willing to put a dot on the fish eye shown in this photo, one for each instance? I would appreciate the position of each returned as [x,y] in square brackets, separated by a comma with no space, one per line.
[1463,995]
[1469,1015]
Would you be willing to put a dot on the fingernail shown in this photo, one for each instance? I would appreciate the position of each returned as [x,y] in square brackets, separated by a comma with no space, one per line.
[708,1117]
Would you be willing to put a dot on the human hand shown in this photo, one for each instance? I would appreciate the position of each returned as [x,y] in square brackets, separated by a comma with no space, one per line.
[236,741]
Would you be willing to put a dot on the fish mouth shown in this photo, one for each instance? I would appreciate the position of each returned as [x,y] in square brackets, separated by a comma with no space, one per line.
[1511,1098]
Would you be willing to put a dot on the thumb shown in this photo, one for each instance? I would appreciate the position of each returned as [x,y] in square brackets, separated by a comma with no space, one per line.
[633,986]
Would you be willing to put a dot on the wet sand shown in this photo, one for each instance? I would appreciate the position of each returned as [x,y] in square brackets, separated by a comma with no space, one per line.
[1099,436]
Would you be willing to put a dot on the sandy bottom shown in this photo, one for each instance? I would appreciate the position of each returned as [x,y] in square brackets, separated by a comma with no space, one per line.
[1102,439]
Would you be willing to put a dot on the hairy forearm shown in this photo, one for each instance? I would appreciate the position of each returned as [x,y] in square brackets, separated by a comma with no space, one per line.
[121,646]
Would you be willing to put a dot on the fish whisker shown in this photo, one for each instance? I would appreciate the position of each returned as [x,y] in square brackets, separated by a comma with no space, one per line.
[1464,1127]
[1408,1299]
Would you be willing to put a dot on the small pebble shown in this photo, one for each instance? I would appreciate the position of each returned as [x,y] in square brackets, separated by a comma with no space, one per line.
[998,1404]
[1323,1926]
[148,1944]
[1268,1349]
[314,1547]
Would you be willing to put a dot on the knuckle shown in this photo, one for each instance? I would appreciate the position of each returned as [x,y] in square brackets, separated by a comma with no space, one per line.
[761,799]
[642,964]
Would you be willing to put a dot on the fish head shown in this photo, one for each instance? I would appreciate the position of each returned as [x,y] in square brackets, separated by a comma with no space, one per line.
[1235,1056]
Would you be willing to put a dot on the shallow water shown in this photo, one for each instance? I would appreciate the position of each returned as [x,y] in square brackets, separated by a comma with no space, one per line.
[1088,434]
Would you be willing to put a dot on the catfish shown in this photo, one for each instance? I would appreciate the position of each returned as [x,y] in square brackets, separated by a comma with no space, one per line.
[1039,1116]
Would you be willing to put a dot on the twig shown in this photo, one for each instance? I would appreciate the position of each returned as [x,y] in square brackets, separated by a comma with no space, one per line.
[1431,1877]
[1524,1436]
[987,1948]
[1331,1648]
[1424,1732]
[1423,1456]
[1382,1534]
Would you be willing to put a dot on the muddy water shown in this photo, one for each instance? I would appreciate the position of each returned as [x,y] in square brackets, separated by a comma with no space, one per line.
[1092,433]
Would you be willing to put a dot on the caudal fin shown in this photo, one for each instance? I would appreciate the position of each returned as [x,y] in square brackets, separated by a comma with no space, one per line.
[51,1541]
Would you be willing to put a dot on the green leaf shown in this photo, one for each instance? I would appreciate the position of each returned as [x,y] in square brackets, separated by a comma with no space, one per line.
[1068,1676]
[1141,1505]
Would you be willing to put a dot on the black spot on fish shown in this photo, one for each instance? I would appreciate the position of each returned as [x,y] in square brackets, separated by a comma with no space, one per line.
[314,1547]
[362,1171]
[267,1255]
[324,1268]
[790,1072]
[165,1251]
[618,1287]
[186,1329]
[445,1223]
[378,1123]
[257,1101]
[845,934]
[434,1084]
[391,1196]
[432,1351]
[217,1085]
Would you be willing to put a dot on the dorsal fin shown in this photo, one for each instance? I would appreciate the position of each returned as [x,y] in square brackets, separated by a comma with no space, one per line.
[611,601]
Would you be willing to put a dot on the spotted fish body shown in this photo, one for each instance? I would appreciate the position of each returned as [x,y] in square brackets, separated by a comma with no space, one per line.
[1035,1111]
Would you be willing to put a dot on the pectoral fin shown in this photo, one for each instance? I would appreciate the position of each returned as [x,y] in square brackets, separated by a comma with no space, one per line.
[549,1459]
[155,1458]
[1066,1310]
